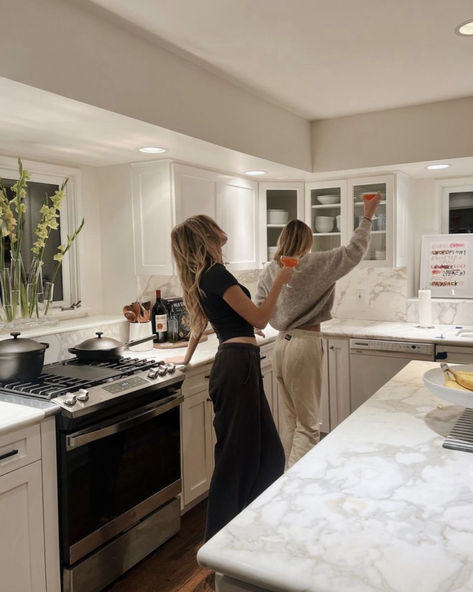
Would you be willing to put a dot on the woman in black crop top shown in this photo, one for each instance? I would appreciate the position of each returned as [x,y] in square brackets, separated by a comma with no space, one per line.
[248,453]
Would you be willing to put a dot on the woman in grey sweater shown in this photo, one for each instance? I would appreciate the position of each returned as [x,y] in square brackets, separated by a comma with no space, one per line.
[301,307]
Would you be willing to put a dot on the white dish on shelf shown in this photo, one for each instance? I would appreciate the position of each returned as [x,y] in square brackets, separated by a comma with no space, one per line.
[338,218]
[324,223]
[277,216]
[434,380]
[328,199]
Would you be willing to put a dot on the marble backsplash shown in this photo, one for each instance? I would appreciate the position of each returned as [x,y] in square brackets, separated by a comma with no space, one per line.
[371,293]
[445,311]
[60,339]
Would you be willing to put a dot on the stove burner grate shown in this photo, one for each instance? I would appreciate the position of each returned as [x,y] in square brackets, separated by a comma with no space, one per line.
[461,435]
[54,381]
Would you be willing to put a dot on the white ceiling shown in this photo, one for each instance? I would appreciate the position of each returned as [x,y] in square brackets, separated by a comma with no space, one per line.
[320,58]
[317,57]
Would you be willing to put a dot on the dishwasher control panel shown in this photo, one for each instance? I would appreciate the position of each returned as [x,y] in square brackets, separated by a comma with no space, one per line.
[426,349]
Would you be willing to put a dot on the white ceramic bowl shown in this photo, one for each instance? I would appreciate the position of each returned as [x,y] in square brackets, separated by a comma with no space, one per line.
[338,218]
[434,380]
[324,223]
[328,199]
[277,216]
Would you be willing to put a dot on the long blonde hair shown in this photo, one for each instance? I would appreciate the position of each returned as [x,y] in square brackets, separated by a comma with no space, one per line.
[196,245]
[295,240]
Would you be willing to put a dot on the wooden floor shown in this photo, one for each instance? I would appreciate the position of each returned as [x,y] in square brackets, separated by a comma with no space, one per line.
[172,567]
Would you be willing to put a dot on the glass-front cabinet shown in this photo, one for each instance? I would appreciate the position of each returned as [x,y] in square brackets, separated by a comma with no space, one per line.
[279,203]
[325,206]
[380,249]
[457,209]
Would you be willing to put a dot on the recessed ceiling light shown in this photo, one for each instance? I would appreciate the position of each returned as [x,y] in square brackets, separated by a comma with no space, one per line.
[255,173]
[435,167]
[465,29]
[152,150]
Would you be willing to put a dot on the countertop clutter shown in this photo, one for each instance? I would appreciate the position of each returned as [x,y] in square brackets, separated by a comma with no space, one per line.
[378,504]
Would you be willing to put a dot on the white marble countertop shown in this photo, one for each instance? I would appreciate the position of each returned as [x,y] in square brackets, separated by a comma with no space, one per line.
[14,416]
[377,505]
[395,330]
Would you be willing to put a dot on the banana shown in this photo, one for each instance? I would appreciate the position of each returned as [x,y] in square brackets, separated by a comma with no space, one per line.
[457,379]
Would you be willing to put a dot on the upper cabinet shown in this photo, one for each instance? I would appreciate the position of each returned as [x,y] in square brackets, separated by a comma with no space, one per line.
[325,213]
[166,193]
[457,206]
[334,208]
[278,203]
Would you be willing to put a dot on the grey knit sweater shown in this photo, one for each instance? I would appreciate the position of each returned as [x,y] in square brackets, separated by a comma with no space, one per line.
[310,298]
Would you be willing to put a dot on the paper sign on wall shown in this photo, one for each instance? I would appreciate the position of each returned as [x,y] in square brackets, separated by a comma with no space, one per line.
[446,265]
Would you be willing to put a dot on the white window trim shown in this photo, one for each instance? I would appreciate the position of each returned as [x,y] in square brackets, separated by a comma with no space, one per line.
[70,214]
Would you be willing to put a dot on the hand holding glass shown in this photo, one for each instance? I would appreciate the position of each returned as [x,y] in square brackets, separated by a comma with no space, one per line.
[371,201]
[289,261]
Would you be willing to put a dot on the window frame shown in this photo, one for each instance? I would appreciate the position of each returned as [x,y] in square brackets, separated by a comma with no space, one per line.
[69,218]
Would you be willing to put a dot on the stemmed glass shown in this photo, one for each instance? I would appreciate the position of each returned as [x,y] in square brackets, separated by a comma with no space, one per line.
[289,261]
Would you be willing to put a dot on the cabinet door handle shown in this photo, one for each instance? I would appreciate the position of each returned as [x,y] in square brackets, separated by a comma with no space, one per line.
[7,454]
[332,347]
[207,377]
[262,358]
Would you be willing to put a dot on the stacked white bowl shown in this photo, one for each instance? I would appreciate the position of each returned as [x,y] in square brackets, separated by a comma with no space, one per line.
[324,223]
[338,218]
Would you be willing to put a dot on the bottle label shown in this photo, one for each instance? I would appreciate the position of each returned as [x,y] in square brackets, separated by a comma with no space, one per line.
[161,323]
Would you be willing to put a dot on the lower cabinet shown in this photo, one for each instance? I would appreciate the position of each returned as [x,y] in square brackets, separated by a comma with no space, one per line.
[338,361]
[29,549]
[197,436]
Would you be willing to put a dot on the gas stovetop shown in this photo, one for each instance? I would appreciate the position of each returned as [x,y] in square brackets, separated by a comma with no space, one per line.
[82,387]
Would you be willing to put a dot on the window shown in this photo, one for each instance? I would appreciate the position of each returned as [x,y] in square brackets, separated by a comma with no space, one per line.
[45,180]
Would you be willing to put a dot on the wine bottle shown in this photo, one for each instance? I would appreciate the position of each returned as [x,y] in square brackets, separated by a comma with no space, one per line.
[159,319]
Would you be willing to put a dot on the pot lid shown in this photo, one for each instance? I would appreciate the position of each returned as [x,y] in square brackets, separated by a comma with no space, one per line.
[16,346]
[98,343]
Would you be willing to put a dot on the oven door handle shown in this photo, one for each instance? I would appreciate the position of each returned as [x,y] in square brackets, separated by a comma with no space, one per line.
[81,438]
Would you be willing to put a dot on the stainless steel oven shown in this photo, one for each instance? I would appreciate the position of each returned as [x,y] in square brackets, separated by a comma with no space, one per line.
[119,464]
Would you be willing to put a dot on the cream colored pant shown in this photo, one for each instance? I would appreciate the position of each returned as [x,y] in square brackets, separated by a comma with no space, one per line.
[297,364]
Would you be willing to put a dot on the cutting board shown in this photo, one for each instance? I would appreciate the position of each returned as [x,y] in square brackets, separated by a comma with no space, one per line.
[169,345]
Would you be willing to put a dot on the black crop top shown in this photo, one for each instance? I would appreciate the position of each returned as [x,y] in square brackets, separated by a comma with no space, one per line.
[226,322]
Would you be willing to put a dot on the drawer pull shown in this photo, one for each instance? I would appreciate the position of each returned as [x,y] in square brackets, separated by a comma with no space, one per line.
[262,358]
[8,454]
[207,377]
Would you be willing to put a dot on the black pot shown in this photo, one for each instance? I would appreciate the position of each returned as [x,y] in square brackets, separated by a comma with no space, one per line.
[21,358]
[103,349]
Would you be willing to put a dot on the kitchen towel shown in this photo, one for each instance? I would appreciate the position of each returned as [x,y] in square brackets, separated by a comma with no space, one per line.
[425,308]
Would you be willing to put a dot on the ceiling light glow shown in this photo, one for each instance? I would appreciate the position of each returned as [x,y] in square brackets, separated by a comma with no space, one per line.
[436,167]
[465,28]
[255,173]
[151,150]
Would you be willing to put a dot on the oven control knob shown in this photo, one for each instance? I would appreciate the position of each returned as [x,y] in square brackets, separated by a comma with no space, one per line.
[82,395]
[70,400]
[171,368]
[153,373]
[162,371]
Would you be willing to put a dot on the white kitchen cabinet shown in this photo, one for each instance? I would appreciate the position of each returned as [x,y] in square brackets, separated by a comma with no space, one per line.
[283,197]
[388,244]
[197,436]
[166,193]
[457,205]
[338,379]
[318,213]
[270,382]
[29,547]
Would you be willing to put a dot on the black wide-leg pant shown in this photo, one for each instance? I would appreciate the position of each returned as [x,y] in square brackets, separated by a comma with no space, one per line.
[248,454]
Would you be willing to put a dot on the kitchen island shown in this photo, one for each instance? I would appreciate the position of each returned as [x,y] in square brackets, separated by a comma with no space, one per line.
[377,505]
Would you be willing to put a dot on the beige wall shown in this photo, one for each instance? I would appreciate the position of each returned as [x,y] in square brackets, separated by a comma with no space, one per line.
[433,131]
[66,48]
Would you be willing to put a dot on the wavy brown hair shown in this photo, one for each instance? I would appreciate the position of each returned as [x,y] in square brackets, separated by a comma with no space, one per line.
[196,245]
[295,240]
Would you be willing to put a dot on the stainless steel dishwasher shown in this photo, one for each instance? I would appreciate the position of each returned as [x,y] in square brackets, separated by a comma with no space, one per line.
[375,361]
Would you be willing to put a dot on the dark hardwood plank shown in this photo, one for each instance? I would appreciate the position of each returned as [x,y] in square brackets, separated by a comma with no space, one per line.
[172,567]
